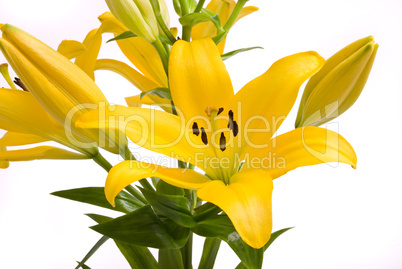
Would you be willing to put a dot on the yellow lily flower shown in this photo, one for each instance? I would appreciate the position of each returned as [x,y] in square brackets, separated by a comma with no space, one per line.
[336,87]
[227,135]
[28,123]
[223,8]
[61,87]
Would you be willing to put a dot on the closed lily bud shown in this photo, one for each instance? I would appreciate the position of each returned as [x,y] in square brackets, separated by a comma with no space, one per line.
[338,84]
[139,17]
[63,89]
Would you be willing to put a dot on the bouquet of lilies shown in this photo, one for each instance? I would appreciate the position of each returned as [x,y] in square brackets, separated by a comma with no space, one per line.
[224,142]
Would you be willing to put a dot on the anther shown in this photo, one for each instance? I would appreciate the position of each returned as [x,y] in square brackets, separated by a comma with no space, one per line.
[19,83]
[196,131]
[204,136]
[210,110]
[220,110]
[235,128]
[222,142]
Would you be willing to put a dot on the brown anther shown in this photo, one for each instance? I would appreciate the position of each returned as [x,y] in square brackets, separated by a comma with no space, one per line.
[210,110]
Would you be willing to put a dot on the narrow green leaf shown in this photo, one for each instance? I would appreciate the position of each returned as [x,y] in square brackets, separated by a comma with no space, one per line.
[91,252]
[175,207]
[274,236]
[124,35]
[206,211]
[209,253]
[144,227]
[233,53]
[83,266]
[193,19]
[96,196]
[166,188]
[170,258]
[138,257]
[161,92]
[221,227]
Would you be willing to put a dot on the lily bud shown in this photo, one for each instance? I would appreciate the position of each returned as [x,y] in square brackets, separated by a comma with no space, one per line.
[336,87]
[139,17]
[63,89]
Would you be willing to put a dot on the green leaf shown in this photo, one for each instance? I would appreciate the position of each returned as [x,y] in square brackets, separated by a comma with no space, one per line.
[209,253]
[233,53]
[96,196]
[166,188]
[206,211]
[175,207]
[144,227]
[124,35]
[221,227]
[193,19]
[138,257]
[219,37]
[91,252]
[170,258]
[161,92]
[274,236]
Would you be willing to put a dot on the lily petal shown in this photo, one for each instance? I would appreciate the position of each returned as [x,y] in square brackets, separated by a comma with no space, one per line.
[155,130]
[264,102]
[247,202]
[140,52]
[37,153]
[86,60]
[307,146]
[198,77]
[136,101]
[4,164]
[127,172]
[71,48]
[10,139]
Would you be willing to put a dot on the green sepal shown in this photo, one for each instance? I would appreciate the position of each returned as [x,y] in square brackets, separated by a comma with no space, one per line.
[161,92]
[138,257]
[206,211]
[234,52]
[274,236]
[193,19]
[175,207]
[125,35]
[144,227]
[222,228]
[170,258]
[96,196]
[166,188]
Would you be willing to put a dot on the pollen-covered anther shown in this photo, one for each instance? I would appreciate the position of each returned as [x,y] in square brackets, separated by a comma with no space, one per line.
[196,131]
[204,136]
[222,142]
[211,110]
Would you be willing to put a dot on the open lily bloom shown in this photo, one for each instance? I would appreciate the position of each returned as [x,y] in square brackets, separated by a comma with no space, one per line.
[223,8]
[228,136]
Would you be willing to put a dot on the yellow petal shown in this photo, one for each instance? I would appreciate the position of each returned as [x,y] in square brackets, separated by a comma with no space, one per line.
[263,103]
[71,48]
[140,52]
[127,172]
[155,130]
[4,164]
[306,146]
[43,152]
[6,75]
[198,78]
[21,113]
[247,202]
[18,139]
[86,60]
[137,101]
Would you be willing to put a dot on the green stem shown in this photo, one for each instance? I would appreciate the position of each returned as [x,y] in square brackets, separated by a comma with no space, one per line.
[99,159]
[199,6]
[209,253]
[187,252]
[239,6]
[161,23]
[162,54]
[185,9]
[186,33]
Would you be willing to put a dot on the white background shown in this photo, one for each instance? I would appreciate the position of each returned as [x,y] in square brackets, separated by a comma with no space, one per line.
[343,218]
